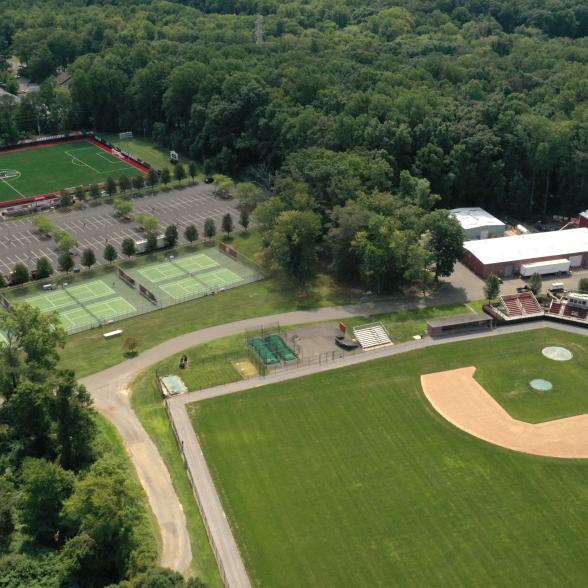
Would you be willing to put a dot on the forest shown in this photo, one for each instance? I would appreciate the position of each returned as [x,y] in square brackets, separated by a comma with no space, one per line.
[70,514]
[487,100]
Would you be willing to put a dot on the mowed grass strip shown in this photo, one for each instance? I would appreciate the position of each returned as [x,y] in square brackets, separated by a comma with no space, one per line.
[51,168]
[349,478]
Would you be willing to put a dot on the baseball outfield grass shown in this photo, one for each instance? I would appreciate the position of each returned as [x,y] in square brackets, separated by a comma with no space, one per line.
[51,168]
[349,478]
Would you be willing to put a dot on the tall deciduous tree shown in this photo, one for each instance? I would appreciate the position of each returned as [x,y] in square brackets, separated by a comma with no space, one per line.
[445,241]
[209,228]
[293,243]
[45,487]
[228,224]
[128,247]
[110,254]
[171,235]
[43,267]
[492,287]
[191,233]
[88,257]
[65,262]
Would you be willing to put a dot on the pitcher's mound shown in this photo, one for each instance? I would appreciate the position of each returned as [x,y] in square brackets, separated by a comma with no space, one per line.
[541,385]
[557,353]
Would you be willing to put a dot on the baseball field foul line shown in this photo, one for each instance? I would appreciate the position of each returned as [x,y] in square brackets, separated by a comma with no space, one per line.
[461,400]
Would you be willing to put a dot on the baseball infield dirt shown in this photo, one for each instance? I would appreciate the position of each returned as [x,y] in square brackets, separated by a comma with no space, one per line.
[458,397]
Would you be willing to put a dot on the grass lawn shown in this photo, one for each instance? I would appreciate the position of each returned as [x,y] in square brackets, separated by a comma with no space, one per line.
[263,298]
[508,375]
[141,148]
[349,478]
[51,168]
[146,402]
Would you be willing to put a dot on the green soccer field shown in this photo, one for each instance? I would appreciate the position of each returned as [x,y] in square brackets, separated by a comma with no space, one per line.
[350,478]
[51,168]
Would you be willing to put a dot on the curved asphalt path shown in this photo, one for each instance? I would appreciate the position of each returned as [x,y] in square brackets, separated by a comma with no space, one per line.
[220,534]
[110,390]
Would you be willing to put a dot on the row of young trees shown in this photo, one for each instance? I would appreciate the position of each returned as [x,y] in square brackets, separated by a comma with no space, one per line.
[69,512]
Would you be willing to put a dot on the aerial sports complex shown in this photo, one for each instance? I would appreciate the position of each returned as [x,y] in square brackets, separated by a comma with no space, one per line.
[35,171]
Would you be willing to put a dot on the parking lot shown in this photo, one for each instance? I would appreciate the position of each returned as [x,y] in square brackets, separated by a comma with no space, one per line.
[95,226]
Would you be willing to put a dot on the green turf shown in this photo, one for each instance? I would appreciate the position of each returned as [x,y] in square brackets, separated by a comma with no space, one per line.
[183,288]
[51,168]
[75,318]
[111,309]
[221,278]
[90,291]
[349,478]
[195,263]
[50,300]
[507,378]
[161,272]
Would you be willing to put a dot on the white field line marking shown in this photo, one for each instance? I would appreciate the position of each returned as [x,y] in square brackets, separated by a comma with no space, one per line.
[11,186]
[73,157]
[99,154]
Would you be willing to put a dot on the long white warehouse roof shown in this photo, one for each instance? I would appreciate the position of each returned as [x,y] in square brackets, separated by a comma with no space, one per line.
[474,217]
[531,246]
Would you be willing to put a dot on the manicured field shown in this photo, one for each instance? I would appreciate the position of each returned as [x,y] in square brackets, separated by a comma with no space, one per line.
[51,168]
[349,478]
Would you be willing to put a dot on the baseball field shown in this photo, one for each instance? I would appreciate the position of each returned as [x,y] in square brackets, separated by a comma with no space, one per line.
[351,478]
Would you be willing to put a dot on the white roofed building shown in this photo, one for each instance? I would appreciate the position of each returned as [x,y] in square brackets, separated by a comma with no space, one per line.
[478,224]
[505,256]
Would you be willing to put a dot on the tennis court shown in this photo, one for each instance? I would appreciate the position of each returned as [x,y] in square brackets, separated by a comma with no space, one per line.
[111,309]
[161,272]
[183,288]
[221,278]
[75,318]
[90,291]
[196,263]
[50,301]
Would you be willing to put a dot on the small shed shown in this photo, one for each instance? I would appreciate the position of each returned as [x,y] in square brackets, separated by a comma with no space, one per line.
[458,324]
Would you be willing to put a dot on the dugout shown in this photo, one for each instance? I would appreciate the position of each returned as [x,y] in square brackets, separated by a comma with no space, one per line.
[459,324]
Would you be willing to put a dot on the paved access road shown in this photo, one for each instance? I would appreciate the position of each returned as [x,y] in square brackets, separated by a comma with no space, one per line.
[94,226]
[219,529]
[110,391]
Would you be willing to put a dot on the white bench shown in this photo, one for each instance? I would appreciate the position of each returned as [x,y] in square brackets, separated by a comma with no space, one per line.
[113,333]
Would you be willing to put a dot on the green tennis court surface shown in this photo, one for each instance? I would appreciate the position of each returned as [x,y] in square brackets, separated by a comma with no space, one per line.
[196,263]
[90,291]
[183,288]
[75,318]
[50,301]
[111,309]
[51,168]
[161,272]
[221,278]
